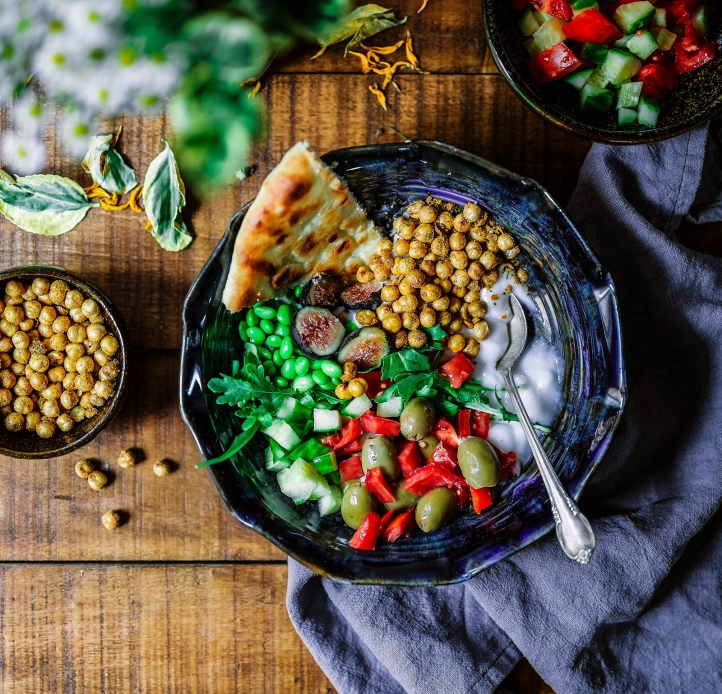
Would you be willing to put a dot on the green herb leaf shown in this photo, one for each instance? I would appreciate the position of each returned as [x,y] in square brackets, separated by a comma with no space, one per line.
[42,203]
[164,198]
[408,387]
[362,23]
[436,335]
[403,363]
[106,167]
[238,443]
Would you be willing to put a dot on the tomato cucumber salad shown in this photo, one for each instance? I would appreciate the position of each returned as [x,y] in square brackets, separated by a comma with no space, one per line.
[625,55]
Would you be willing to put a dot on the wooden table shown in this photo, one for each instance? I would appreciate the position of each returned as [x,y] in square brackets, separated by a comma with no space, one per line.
[183,598]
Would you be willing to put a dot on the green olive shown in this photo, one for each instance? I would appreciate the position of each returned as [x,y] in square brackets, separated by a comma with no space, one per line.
[436,509]
[345,485]
[403,499]
[379,451]
[427,445]
[478,462]
[356,504]
[417,419]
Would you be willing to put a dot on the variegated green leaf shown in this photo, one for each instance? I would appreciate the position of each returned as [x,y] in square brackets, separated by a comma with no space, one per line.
[43,203]
[106,167]
[164,198]
[363,22]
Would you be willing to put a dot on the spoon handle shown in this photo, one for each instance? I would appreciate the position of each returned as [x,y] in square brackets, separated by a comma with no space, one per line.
[573,530]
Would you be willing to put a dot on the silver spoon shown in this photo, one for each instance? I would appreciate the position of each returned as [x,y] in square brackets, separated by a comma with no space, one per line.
[573,530]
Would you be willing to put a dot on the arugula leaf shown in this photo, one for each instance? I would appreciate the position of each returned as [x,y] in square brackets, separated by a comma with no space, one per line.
[408,387]
[106,167]
[363,22]
[436,334]
[403,363]
[238,443]
[43,204]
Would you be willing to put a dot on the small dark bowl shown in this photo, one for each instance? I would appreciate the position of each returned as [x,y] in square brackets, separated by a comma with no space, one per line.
[27,444]
[696,100]
[577,311]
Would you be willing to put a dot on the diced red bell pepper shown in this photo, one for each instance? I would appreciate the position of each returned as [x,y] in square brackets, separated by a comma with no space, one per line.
[480,498]
[376,385]
[459,368]
[350,432]
[464,423]
[480,423]
[508,463]
[331,440]
[409,457]
[353,447]
[591,26]
[688,58]
[351,468]
[380,425]
[551,64]
[378,486]
[445,432]
[403,524]
[368,532]
[461,487]
[424,479]
[386,519]
[556,8]
[656,80]
[445,455]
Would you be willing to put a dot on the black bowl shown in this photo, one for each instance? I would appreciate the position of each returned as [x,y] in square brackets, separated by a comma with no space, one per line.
[696,100]
[577,310]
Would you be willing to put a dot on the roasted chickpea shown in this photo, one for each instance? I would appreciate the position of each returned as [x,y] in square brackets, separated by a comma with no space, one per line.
[61,324]
[76,315]
[401,247]
[488,260]
[509,255]
[85,401]
[341,392]
[5,360]
[454,304]
[14,422]
[73,299]
[471,348]
[400,339]
[424,233]
[97,480]
[383,311]
[428,267]
[406,229]
[45,429]
[111,519]
[440,304]
[32,420]
[14,288]
[405,287]
[456,343]
[96,400]
[69,399]
[23,405]
[384,245]
[430,292]
[477,309]
[415,279]
[64,422]
[21,340]
[397,223]
[364,317]
[505,242]
[405,265]
[6,344]
[440,246]
[415,207]
[490,278]
[50,408]
[90,308]
[161,468]
[397,307]
[408,302]
[364,274]
[427,215]
[475,270]
[417,338]
[75,350]
[392,323]
[6,397]
[461,224]
[410,320]
[58,290]
[32,309]
[38,381]
[27,324]
[17,368]
[457,241]
[481,330]
[472,211]
[90,412]
[522,275]
[84,382]
[381,274]
[40,286]
[478,234]
[77,413]
[427,318]
[444,269]
[21,356]
[45,331]
[459,259]
[70,364]
[349,371]
[491,245]
[53,391]
[455,326]
[85,365]
[460,278]
[445,318]
[390,292]
[14,315]
[57,343]
[445,221]
[357,387]
[126,459]
[417,249]
[47,315]
[56,374]
[39,363]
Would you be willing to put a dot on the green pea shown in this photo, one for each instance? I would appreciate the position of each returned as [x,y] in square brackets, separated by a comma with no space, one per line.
[297,291]
[243,330]
[280,382]
[263,353]
[256,335]
[319,377]
[282,330]
[252,319]
[331,368]
[302,383]
[286,347]
[302,366]
[267,326]
[270,368]
[288,370]
[262,311]
[274,341]
[278,359]
[284,314]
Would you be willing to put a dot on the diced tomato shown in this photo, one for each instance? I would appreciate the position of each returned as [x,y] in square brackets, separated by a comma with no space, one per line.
[551,64]
[403,524]
[556,8]
[445,455]
[445,432]
[368,532]
[480,498]
[480,423]
[351,468]
[509,464]
[591,26]
[459,368]
[353,447]
[380,425]
[461,487]
[424,479]
[378,486]
[386,519]
[409,457]
[688,58]
[656,80]
[331,440]
[376,385]
[464,423]
[350,432]
[678,10]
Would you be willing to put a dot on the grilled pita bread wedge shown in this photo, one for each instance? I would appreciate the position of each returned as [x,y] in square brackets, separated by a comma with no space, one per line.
[304,221]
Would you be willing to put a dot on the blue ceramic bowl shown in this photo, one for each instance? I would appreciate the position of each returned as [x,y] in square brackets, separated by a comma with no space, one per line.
[577,311]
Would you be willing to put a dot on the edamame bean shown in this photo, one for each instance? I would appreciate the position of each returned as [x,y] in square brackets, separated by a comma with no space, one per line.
[302,366]
[288,370]
[302,383]
[282,330]
[274,341]
[256,335]
[263,353]
[270,368]
[328,386]
[278,359]
[262,311]
[331,369]
[286,348]
[252,319]
[316,364]
[280,382]
[297,291]
[243,330]
[267,326]
[284,314]
[319,377]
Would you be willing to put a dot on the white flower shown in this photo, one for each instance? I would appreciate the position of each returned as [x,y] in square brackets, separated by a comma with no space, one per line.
[22,154]
[76,127]
[27,113]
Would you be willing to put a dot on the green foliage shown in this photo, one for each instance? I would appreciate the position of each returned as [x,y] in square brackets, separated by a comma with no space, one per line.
[362,23]
[106,167]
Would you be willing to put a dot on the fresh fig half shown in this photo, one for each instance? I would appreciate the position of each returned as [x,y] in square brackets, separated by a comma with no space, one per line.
[365,347]
[322,290]
[362,295]
[317,331]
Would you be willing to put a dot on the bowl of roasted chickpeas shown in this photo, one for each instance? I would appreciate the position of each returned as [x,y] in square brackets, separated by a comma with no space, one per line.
[63,362]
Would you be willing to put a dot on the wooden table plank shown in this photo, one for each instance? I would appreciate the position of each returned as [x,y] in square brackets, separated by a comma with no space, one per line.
[189,628]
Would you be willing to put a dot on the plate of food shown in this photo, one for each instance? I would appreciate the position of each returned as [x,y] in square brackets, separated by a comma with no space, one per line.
[339,361]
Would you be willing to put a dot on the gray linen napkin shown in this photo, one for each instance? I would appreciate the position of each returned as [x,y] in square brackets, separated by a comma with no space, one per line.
[646,614]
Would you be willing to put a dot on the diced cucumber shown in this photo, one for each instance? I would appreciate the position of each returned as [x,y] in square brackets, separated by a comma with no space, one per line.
[665,39]
[283,434]
[548,34]
[302,482]
[541,17]
[331,503]
[293,411]
[326,420]
[628,95]
[634,15]
[274,464]
[528,23]
[594,52]
[648,112]
[597,78]
[700,21]
[579,6]
[620,84]
[308,450]
[326,463]
[277,450]
[622,43]
[620,64]
[358,406]
[642,44]
[392,407]
[593,98]
[660,18]
[626,116]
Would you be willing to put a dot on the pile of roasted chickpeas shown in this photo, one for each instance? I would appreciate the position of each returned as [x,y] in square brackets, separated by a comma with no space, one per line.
[57,359]
[434,271]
